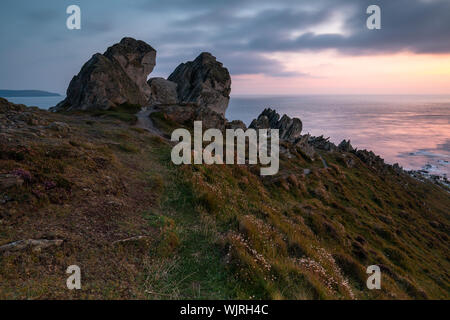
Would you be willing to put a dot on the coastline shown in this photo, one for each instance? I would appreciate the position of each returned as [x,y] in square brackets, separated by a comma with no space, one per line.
[421,161]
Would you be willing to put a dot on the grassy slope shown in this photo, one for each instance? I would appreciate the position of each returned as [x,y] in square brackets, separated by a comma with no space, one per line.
[211,231]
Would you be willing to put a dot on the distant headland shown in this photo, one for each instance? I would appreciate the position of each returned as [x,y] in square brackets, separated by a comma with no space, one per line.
[27,93]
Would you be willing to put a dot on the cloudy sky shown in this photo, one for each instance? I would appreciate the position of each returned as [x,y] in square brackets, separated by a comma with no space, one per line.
[270,47]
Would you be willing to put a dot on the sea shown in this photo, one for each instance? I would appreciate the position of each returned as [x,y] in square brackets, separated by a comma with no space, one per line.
[412,130]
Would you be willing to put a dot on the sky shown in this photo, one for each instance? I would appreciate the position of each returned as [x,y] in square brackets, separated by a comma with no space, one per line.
[272,47]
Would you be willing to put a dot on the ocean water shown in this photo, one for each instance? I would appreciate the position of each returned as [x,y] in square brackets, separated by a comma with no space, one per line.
[413,131]
[41,102]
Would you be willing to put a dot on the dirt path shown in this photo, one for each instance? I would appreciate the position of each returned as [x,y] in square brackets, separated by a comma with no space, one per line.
[144,121]
[325,165]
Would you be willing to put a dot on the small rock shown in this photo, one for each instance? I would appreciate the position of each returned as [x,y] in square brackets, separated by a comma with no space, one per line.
[10,180]
[36,245]
[61,127]
[132,239]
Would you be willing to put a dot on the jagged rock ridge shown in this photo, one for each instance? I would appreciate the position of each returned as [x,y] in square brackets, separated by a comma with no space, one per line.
[290,129]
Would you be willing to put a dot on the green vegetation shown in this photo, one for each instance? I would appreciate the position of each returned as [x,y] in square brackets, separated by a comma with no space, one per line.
[165,124]
[141,227]
[125,112]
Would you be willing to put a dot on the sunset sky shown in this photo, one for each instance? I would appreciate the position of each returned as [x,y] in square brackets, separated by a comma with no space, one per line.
[270,47]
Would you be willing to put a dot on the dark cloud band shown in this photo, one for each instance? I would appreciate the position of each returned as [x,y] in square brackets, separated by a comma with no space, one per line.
[239,32]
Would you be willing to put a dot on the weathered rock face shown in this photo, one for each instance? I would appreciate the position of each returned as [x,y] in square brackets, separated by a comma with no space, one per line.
[236,124]
[266,120]
[188,113]
[136,58]
[204,82]
[290,129]
[198,90]
[117,77]
[162,92]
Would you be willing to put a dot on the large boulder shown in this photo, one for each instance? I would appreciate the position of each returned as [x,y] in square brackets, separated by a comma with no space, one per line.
[204,82]
[117,77]
[162,92]
[290,129]
[136,58]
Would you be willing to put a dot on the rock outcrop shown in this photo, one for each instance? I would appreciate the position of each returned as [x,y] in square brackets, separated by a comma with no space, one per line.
[370,158]
[196,90]
[204,82]
[236,124]
[6,106]
[322,143]
[186,114]
[162,92]
[303,144]
[36,245]
[345,146]
[117,77]
[13,117]
[290,129]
